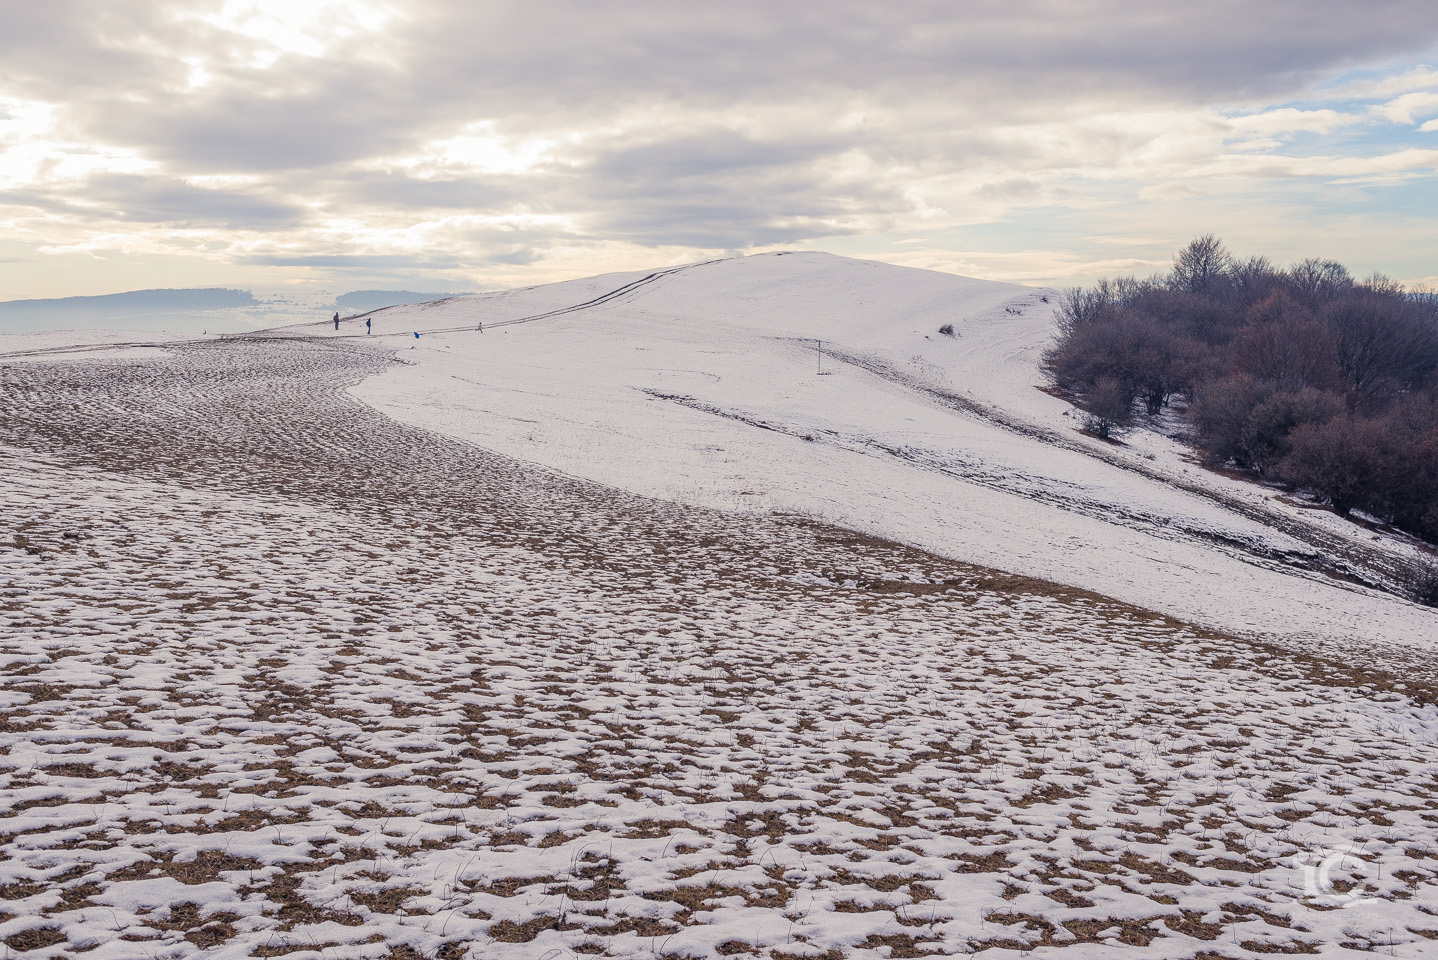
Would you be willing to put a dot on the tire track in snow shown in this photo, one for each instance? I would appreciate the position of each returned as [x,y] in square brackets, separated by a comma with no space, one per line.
[1340,559]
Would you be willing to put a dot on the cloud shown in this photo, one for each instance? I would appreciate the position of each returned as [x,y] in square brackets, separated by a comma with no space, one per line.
[1396,162]
[1407,108]
[1368,85]
[366,189]
[1168,191]
[349,261]
[555,135]
[712,187]
[1014,190]
[1286,120]
[151,199]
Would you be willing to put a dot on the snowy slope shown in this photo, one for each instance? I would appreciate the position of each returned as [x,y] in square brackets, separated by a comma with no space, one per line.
[701,384]
[284,676]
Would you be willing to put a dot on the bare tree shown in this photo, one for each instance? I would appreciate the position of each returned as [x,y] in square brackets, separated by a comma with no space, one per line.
[1336,460]
[1202,266]
[1315,280]
[1109,406]
[1285,344]
[1385,345]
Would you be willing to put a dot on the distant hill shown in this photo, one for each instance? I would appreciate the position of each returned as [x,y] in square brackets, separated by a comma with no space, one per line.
[194,310]
[366,300]
[116,305]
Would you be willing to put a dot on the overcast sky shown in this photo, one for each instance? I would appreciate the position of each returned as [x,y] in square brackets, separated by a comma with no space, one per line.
[438,145]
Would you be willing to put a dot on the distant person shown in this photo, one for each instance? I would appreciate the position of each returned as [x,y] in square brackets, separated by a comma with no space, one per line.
[416,336]
[337,319]
[480,328]
[367,329]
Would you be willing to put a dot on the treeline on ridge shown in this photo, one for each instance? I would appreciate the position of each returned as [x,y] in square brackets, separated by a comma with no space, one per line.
[1302,375]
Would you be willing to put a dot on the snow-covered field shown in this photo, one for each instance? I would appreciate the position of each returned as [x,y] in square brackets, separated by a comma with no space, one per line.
[570,638]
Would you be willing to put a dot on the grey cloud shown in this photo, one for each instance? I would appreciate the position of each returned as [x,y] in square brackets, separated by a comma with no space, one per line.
[34,200]
[1015,189]
[58,49]
[718,216]
[399,191]
[712,188]
[719,189]
[703,154]
[363,262]
[711,225]
[149,199]
[165,200]
[564,57]
[298,115]
[513,258]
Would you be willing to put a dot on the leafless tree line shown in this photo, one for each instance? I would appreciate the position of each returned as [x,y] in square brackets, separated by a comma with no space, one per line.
[1302,375]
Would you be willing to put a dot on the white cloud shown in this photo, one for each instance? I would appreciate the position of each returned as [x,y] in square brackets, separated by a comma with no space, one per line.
[33,151]
[1284,120]
[1407,108]
[476,149]
[310,28]
[1381,165]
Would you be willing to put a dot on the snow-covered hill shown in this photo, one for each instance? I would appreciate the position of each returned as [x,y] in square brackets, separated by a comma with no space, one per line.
[702,384]
[289,673]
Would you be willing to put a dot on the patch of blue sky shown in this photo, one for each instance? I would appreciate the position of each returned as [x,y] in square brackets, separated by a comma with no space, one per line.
[1411,200]
[1370,136]
[1370,117]
[1402,73]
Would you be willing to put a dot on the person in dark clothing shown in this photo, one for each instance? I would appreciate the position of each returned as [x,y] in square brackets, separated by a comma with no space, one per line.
[367,329]
[337,319]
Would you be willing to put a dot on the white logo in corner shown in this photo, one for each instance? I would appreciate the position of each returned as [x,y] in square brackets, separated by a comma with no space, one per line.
[1339,878]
